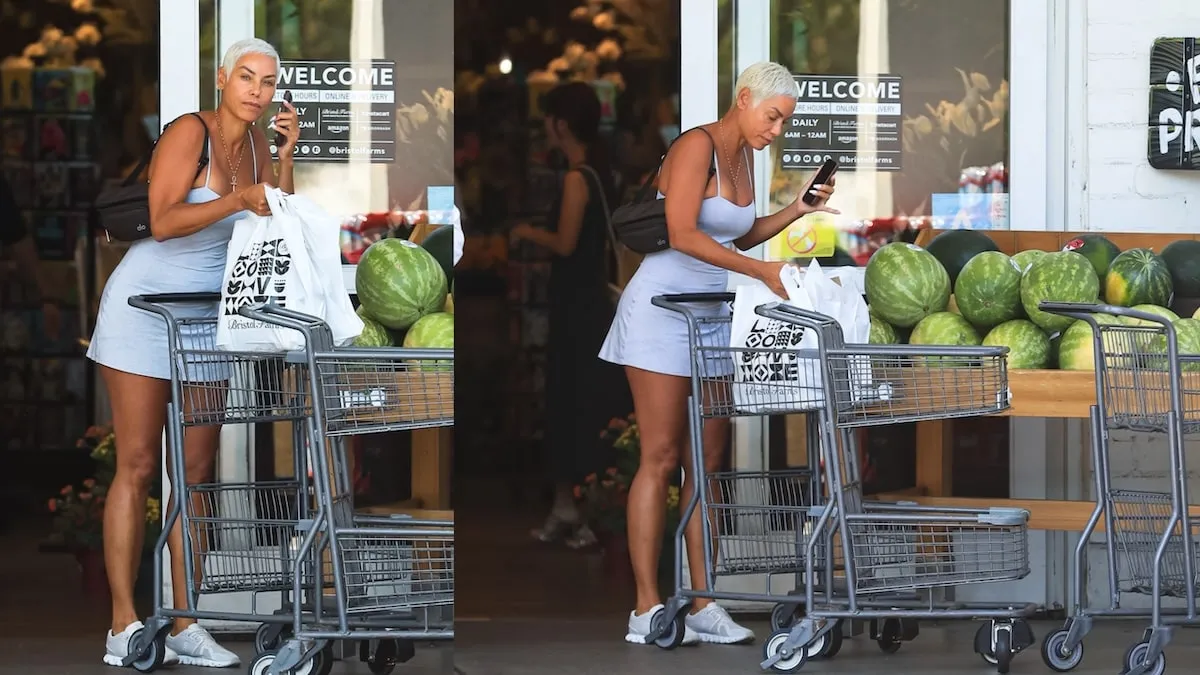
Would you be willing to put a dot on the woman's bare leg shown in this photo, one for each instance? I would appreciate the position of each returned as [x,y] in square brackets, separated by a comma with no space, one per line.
[200,446]
[659,401]
[716,441]
[139,411]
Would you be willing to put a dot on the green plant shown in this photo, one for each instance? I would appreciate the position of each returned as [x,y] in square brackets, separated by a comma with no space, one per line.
[79,510]
[604,498]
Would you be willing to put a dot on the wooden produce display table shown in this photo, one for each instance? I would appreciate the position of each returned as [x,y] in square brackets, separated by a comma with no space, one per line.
[1035,393]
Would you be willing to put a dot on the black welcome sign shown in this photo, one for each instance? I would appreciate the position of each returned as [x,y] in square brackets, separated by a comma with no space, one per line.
[1174,139]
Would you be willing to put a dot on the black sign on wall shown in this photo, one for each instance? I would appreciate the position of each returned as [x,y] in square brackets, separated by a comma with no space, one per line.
[347,109]
[1174,125]
[856,120]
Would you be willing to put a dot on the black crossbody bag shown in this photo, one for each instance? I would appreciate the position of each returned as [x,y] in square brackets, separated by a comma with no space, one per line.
[641,225]
[124,210]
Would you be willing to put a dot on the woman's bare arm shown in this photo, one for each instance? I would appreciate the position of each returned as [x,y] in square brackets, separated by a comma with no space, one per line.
[687,178]
[570,217]
[172,172]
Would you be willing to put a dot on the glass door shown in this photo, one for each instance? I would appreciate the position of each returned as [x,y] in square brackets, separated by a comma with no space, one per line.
[374,90]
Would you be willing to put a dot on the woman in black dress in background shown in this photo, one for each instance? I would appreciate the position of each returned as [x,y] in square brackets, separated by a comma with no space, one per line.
[581,390]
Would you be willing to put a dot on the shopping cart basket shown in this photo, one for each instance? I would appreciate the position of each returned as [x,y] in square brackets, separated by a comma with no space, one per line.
[237,536]
[887,552]
[392,578]
[1143,384]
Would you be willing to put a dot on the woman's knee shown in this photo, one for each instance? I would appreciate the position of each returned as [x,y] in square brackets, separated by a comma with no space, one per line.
[137,466]
[659,460]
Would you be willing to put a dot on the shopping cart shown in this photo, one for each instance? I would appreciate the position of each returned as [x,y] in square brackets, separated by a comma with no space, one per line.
[237,536]
[887,553]
[1143,384]
[392,578]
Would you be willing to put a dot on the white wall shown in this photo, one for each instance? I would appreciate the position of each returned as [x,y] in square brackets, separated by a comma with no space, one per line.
[1122,193]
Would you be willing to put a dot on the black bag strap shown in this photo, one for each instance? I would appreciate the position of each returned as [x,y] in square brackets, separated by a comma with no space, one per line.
[644,191]
[145,161]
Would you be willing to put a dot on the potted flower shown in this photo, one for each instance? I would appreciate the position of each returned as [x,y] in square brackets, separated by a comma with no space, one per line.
[603,500]
[79,514]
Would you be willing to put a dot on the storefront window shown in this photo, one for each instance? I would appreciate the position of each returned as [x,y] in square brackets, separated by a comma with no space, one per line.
[911,98]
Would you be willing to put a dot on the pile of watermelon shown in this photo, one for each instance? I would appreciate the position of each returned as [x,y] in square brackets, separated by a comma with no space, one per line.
[962,290]
[405,293]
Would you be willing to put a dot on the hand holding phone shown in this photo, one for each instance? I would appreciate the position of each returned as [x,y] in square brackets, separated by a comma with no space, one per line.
[280,139]
[823,175]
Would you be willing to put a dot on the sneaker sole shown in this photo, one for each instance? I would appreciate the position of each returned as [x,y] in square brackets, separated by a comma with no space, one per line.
[114,660]
[635,639]
[206,663]
[723,640]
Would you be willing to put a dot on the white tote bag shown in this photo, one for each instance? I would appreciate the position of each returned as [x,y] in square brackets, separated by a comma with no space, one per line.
[268,262]
[320,232]
[777,379]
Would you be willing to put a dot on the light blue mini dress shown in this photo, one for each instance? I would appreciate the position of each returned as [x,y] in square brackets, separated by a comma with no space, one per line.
[656,339]
[133,340]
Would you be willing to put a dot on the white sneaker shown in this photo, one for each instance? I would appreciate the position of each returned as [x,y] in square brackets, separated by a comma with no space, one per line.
[639,629]
[713,624]
[196,647]
[116,647]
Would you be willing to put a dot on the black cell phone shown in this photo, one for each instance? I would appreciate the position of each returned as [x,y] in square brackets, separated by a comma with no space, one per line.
[823,174]
[280,139]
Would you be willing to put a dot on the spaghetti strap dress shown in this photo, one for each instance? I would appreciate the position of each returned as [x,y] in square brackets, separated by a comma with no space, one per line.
[135,341]
[656,339]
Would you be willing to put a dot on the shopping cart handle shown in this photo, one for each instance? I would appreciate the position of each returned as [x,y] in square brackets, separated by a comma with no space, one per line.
[690,298]
[1085,310]
[169,298]
[782,311]
[280,316]
[1004,516]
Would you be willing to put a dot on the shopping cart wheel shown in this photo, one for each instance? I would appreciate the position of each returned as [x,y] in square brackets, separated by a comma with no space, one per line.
[264,661]
[1055,655]
[833,642]
[889,637]
[1137,654]
[669,629]
[151,659]
[785,615]
[387,655]
[788,663]
[322,661]
[269,637]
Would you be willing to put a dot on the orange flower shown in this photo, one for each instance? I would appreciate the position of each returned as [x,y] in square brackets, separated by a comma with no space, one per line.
[89,483]
[53,505]
[67,489]
[578,492]
[591,478]
[85,496]
[612,471]
[607,483]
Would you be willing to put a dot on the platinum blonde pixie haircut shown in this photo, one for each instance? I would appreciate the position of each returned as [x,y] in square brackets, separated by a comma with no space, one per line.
[766,79]
[245,47]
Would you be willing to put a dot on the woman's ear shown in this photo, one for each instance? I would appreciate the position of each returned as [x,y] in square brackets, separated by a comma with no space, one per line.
[222,77]
[743,98]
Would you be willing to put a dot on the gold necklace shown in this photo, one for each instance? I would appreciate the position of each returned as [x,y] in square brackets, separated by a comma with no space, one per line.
[233,169]
[735,174]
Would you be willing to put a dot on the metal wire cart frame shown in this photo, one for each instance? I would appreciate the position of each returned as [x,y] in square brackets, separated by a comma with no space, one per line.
[300,537]
[889,556]
[1143,384]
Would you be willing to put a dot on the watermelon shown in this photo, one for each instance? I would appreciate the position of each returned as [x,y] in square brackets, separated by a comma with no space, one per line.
[1183,260]
[398,282]
[882,332]
[1028,345]
[1098,250]
[954,248]
[374,334]
[1138,277]
[1196,314]
[440,244]
[1076,347]
[988,290]
[1187,342]
[1025,258]
[1064,276]
[905,283]
[433,331]
[945,329]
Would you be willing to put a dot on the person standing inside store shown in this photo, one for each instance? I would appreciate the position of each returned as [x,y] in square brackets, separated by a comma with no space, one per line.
[579,387]
[191,218]
[706,212]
